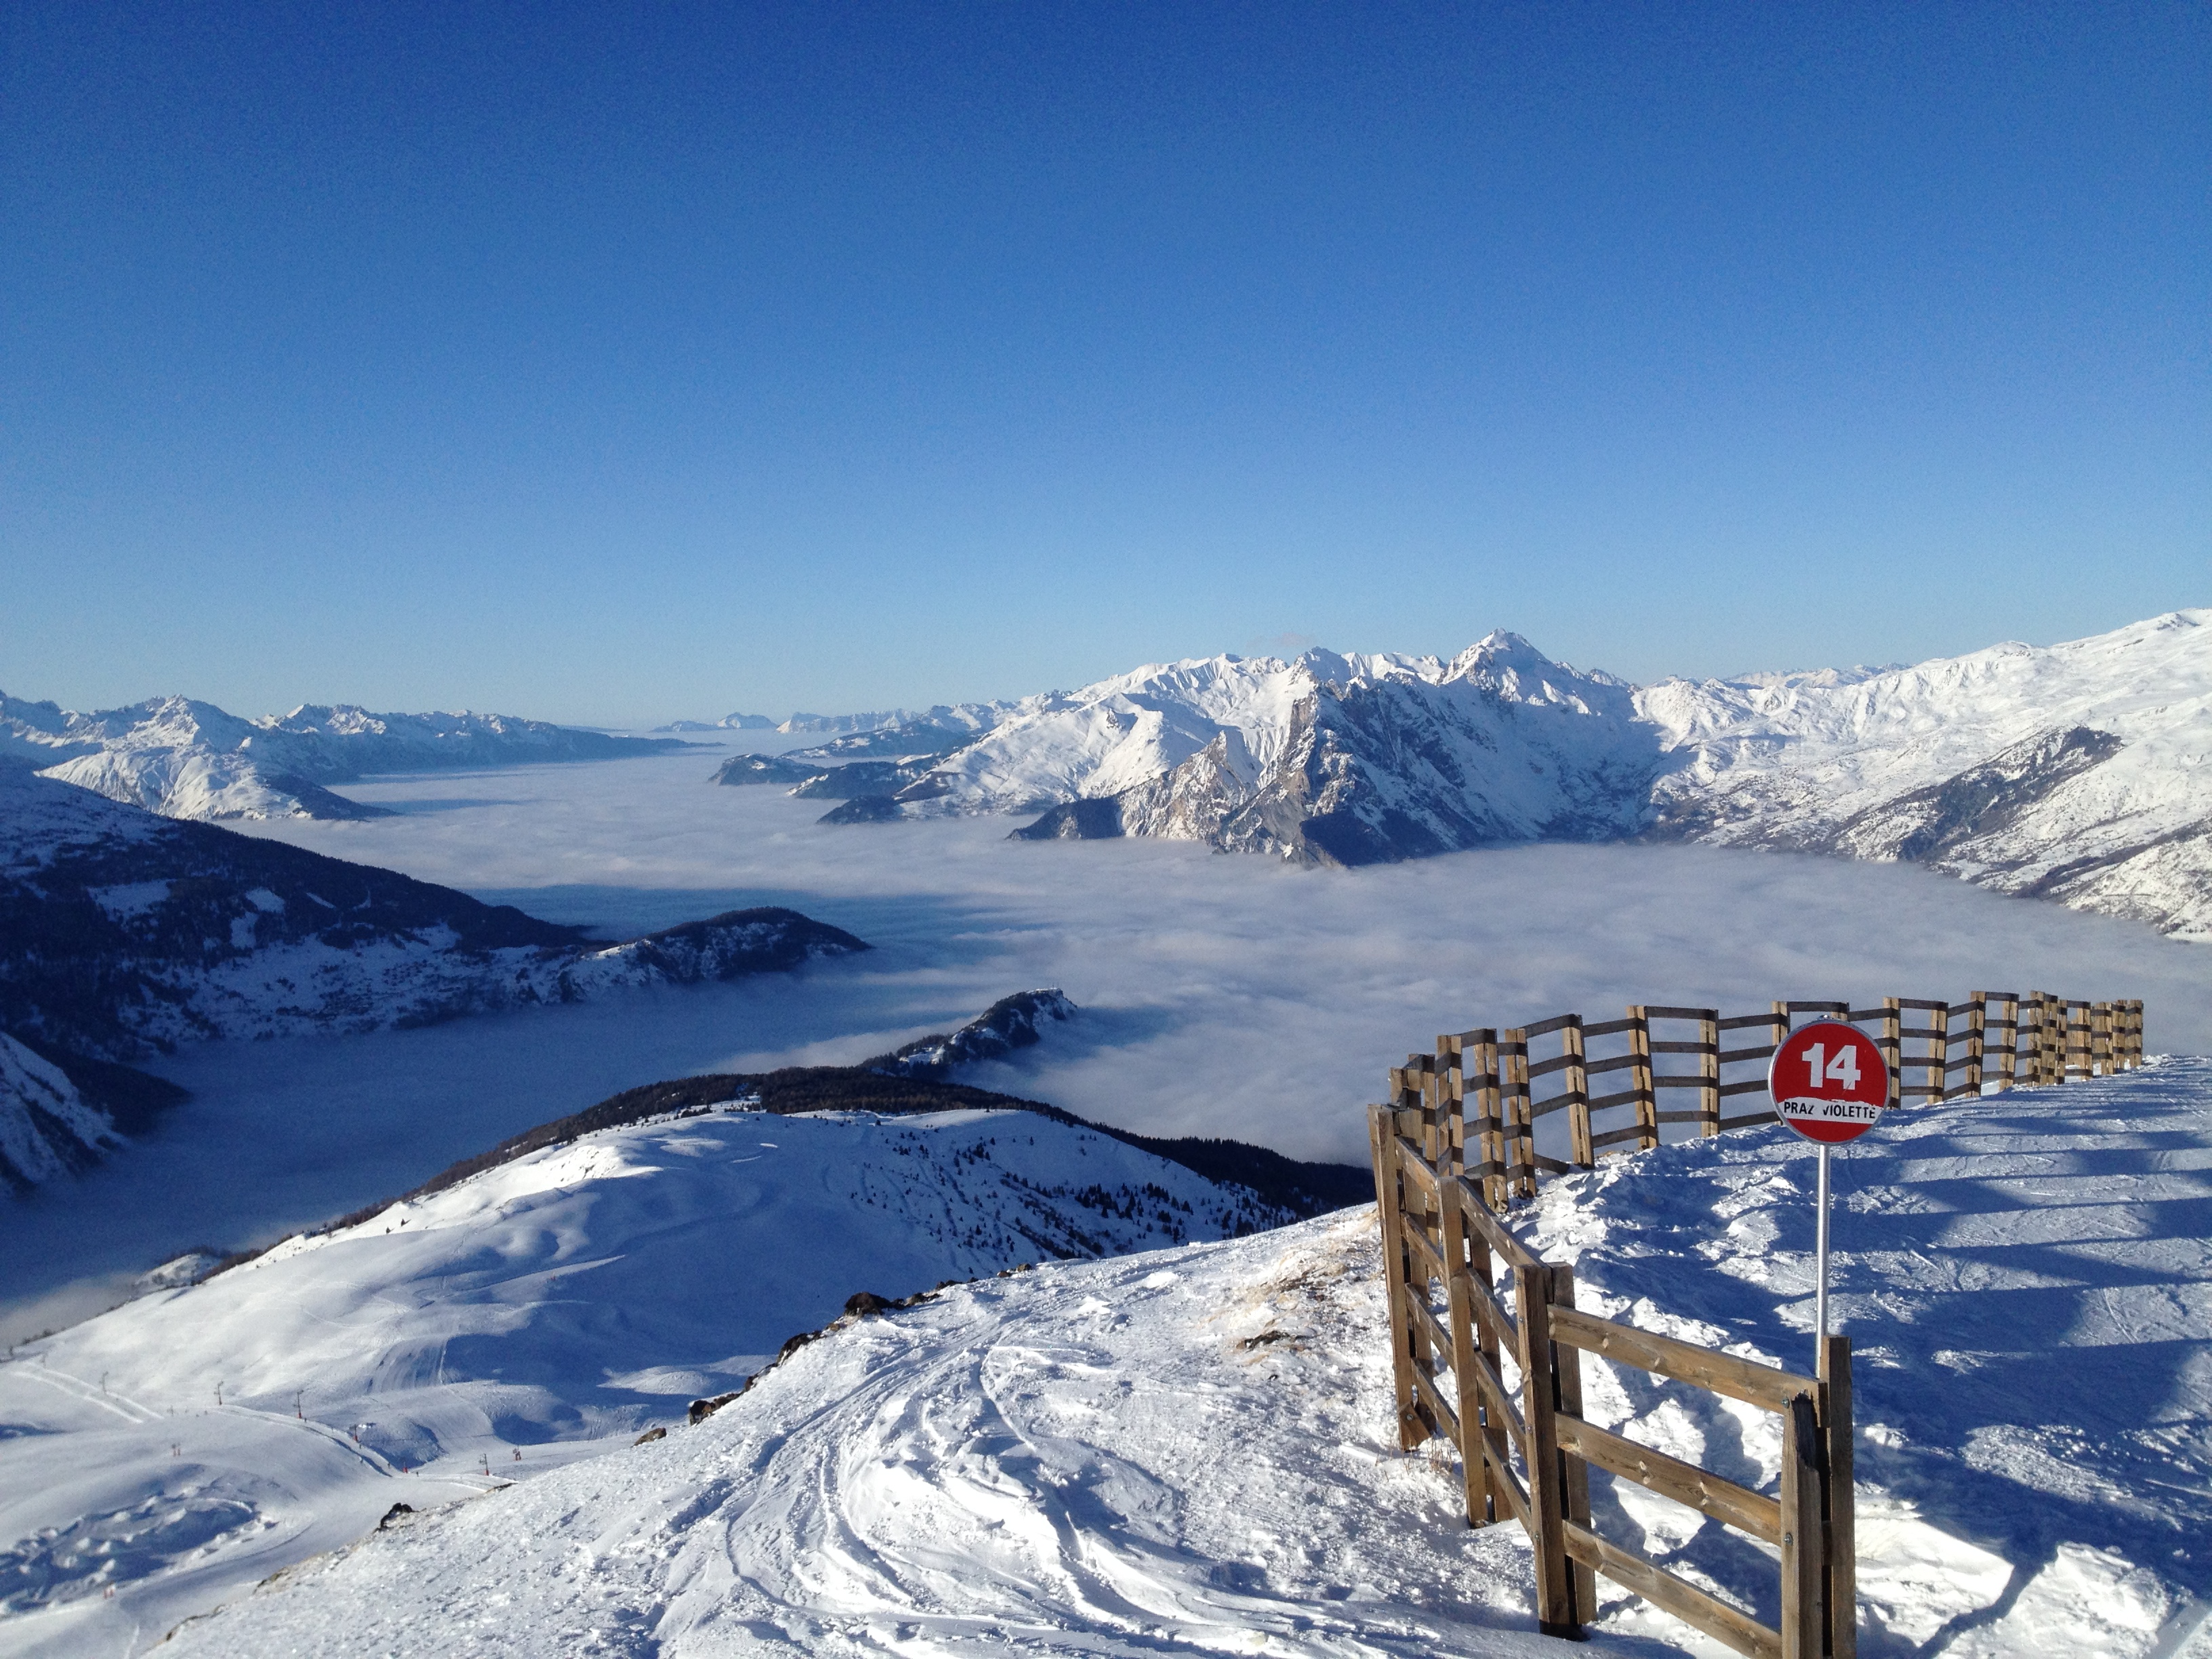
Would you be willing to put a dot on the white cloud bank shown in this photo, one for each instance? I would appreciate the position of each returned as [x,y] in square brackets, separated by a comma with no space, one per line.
[1222,995]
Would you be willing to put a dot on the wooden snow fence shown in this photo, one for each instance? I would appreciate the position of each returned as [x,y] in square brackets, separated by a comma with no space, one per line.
[1456,1143]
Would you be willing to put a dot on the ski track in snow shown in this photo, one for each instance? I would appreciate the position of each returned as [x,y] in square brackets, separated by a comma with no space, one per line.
[183,1446]
[1194,1450]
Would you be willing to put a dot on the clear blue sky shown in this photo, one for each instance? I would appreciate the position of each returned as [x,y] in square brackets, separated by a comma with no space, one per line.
[617,364]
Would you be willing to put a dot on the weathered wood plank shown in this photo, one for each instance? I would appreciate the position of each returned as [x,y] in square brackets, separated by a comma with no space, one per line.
[1840,1498]
[1685,1483]
[1693,1605]
[1383,1136]
[1722,1373]
[1804,1563]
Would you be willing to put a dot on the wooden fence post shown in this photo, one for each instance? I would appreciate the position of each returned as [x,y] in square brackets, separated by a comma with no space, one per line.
[1939,1055]
[1804,1555]
[1574,1473]
[1397,1270]
[2030,1039]
[1709,1068]
[2135,1032]
[1576,1079]
[1639,1079]
[1891,1045]
[1839,1499]
[1977,1018]
[1489,1130]
[2009,1056]
[2100,1040]
[1461,1314]
[1474,1429]
[1519,1135]
[1555,1600]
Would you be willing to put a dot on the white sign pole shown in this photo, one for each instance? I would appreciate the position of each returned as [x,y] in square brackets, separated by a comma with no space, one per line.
[1820,1297]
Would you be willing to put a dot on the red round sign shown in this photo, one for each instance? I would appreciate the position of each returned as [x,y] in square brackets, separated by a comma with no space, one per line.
[1829,1081]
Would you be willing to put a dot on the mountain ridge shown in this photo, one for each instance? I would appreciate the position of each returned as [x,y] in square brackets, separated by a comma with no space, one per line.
[2076,772]
[188,759]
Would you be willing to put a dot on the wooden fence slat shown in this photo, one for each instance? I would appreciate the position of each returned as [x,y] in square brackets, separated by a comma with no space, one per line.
[1685,1483]
[1721,1373]
[1694,1606]
[1484,1220]
[1891,1043]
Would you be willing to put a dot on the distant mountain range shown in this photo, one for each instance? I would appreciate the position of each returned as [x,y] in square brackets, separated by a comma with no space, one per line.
[191,760]
[123,933]
[2076,772]
[969,717]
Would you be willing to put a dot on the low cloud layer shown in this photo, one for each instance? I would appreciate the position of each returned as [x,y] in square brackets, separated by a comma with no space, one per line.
[1222,995]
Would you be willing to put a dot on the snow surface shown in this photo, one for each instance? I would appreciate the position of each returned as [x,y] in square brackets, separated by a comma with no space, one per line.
[1195,1449]
[548,1309]
[45,1126]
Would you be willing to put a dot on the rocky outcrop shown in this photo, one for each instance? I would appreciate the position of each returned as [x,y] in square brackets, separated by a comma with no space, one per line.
[1009,1024]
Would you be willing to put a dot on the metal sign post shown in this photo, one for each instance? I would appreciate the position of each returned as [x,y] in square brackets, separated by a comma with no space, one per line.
[1830,1084]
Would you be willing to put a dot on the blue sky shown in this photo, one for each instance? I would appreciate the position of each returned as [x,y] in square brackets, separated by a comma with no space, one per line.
[616,364]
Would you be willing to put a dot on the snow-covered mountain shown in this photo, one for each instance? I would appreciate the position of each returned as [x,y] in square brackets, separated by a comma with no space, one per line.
[122,931]
[191,760]
[1191,1450]
[2075,772]
[2080,772]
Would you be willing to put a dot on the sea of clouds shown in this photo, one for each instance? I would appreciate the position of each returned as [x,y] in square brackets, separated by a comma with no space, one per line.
[1222,994]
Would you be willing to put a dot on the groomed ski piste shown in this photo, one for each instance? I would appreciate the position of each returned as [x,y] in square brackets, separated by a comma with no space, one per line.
[1192,1449]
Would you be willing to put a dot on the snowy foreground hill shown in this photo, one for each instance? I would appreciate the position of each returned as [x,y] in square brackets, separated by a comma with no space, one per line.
[191,760]
[2075,772]
[1190,1449]
[546,1310]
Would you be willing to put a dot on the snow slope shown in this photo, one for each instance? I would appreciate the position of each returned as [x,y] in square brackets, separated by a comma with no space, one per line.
[546,1310]
[191,760]
[47,1126]
[1194,1449]
[2080,772]
[2076,772]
